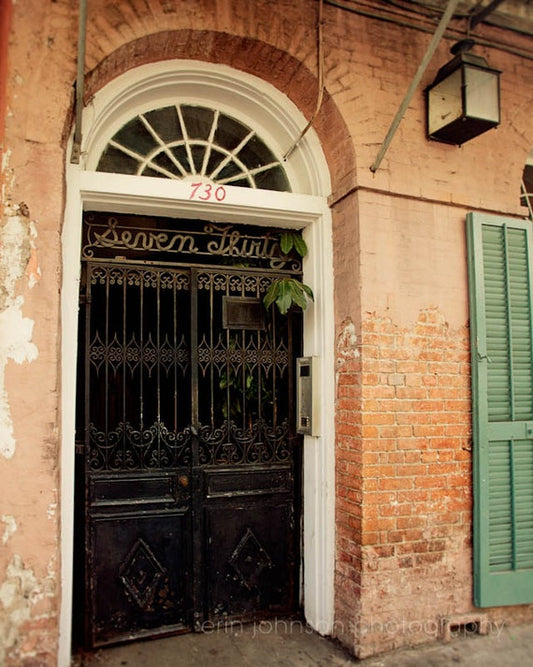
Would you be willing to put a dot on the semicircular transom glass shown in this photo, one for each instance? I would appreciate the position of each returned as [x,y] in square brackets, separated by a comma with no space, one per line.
[188,142]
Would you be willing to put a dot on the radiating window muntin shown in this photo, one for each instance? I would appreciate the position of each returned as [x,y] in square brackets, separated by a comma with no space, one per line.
[526,198]
[189,142]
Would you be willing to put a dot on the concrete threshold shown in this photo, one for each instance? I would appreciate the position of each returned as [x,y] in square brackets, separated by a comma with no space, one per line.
[291,643]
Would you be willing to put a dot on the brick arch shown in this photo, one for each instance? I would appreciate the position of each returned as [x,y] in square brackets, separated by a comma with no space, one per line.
[252,56]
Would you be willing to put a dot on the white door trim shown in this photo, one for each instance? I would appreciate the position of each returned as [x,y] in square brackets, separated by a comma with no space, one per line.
[89,190]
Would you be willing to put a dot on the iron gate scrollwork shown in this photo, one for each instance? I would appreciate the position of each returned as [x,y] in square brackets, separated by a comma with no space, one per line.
[191,458]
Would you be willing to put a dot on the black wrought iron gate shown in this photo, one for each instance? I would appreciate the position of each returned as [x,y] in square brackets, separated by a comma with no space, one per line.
[185,427]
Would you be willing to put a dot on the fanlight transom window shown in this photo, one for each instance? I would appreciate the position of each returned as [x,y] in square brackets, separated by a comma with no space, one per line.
[184,141]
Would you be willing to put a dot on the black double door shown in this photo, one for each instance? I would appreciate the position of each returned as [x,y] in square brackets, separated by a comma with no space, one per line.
[188,504]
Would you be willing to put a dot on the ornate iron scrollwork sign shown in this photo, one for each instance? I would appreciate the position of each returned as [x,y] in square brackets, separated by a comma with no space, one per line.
[107,236]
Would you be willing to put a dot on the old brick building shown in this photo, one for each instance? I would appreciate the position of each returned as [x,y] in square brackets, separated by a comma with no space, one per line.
[156,471]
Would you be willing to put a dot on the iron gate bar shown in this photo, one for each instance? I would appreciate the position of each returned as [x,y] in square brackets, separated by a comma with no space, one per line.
[196,472]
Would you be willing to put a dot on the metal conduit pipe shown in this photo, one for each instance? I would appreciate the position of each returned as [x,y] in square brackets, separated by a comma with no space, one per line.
[80,82]
[445,19]
[320,66]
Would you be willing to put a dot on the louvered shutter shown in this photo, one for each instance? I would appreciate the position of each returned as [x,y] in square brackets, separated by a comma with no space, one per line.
[500,277]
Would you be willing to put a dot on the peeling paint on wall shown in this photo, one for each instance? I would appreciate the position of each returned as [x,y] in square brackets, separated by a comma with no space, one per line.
[347,350]
[10,527]
[347,342]
[15,250]
[18,257]
[4,173]
[52,508]
[20,592]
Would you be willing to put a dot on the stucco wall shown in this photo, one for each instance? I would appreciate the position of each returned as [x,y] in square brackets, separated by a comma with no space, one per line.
[40,67]
[399,267]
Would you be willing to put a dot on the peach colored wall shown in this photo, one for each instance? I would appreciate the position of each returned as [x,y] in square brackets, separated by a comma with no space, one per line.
[404,497]
[5,20]
[39,87]
[399,260]
[413,256]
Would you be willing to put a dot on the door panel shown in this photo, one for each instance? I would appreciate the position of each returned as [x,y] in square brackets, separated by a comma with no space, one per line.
[191,461]
[140,575]
[246,559]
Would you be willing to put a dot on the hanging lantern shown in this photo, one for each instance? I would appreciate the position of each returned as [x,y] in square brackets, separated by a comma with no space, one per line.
[464,99]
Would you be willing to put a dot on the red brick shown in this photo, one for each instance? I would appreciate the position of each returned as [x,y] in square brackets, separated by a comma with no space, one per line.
[397,509]
[394,483]
[411,522]
[396,457]
[430,482]
[415,495]
[412,443]
[409,470]
[441,468]
[428,558]
[380,471]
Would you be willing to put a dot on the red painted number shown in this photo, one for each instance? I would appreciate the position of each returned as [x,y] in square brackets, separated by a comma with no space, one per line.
[205,192]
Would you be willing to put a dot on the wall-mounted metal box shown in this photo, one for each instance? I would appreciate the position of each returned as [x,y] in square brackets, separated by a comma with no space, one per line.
[307,396]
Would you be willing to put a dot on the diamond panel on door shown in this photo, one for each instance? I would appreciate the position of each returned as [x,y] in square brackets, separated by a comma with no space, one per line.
[251,550]
[140,576]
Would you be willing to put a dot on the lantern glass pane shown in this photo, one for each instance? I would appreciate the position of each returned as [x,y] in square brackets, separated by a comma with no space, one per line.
[482,94]
[445,102]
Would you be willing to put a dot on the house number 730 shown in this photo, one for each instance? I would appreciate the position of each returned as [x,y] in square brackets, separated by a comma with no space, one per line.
[206,192]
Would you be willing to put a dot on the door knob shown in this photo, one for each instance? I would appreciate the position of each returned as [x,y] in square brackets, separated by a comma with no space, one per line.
[183,481]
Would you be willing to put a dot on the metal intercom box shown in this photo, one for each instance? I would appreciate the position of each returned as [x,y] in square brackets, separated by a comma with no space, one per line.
[307,397]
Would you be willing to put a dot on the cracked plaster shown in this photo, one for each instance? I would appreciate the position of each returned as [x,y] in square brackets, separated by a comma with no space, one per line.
[18,258]
[20,592]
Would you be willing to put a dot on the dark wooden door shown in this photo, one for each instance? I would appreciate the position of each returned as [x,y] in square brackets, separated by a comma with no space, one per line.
[190,461]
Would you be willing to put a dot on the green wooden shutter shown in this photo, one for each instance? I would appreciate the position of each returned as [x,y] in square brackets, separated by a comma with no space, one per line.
[500,278]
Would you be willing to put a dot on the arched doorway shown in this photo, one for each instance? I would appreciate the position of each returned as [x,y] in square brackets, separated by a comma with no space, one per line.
[275,122]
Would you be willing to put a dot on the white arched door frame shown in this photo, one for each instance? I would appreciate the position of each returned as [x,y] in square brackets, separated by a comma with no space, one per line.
[278,122]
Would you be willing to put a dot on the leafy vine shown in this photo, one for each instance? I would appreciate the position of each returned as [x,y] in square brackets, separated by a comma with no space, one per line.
[289,292]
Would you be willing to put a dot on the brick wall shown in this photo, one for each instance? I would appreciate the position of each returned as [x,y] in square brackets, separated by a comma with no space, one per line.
[349,484]
[404,494]
[403,448]
[416,508]
[403,475]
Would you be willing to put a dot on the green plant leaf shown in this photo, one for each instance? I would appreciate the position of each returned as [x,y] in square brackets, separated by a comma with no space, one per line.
[271,295]
[285,292]
[298,294]
[286,242]
[308,291]
[284,300]
[302,292]
[300,245]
